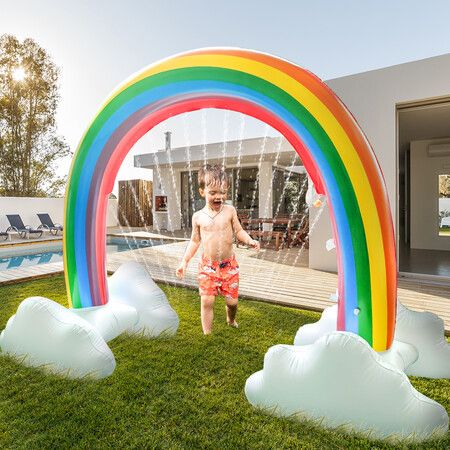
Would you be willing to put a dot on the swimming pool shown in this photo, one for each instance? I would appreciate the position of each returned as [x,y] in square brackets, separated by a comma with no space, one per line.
[13,257]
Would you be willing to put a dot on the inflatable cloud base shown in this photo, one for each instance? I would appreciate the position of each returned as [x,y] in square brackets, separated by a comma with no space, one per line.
[43,333]
[340,380]
[337,378]
[419,347]
[132,286]
[73,342]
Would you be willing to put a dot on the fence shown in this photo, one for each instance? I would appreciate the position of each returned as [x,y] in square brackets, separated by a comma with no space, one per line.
[135,203]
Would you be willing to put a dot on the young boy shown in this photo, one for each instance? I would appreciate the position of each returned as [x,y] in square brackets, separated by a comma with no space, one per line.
[214,226]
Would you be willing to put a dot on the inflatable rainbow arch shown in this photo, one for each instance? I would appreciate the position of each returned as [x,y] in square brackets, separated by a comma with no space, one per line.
[335,153]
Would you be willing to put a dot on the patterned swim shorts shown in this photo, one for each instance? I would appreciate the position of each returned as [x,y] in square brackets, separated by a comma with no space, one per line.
[216,277]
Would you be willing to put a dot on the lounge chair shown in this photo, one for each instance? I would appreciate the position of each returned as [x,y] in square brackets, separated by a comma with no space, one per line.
[4,234]
[47,224]
[18,226]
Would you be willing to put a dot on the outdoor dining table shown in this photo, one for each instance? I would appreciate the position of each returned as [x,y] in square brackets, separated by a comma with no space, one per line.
[289,222]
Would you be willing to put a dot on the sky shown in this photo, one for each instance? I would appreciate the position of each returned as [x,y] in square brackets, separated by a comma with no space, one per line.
[98,44]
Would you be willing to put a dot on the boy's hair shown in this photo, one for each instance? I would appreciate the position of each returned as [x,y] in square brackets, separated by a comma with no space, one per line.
[211,174]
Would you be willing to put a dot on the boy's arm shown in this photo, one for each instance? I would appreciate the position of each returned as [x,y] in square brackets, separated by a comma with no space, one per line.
[194,243]
[192,247]
[241,234]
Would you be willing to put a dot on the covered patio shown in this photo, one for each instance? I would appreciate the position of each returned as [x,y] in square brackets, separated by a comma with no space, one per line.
[265,174]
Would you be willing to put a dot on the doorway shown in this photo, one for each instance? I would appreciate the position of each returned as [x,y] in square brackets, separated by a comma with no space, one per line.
[423,164]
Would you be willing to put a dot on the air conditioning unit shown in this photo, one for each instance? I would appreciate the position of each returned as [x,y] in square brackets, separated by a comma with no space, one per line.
[442,149]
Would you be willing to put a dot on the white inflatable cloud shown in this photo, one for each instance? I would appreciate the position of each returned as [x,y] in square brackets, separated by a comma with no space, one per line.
[425,331]
[44,333]
[131,285]
[341,381]
[309,333]
[73,341]
[419,346]
[109,320]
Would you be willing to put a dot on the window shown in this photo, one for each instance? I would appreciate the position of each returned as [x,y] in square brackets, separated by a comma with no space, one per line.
[246,191]
[444,205]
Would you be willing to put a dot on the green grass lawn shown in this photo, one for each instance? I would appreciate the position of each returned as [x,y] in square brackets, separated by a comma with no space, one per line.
[183,392]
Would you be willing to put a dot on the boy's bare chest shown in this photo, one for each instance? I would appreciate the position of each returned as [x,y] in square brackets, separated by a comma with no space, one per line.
[219,223]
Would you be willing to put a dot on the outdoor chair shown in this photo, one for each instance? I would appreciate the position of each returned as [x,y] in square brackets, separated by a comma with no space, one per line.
[300,236]
[265,238]
[47,224]
[18,226]
[4,234]
[281,228]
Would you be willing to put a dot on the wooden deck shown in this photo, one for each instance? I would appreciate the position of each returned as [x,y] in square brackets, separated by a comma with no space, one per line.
[270,276]
[278,277]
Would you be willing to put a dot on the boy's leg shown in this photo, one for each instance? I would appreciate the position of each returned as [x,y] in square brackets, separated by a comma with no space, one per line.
[232,306]
[207,312]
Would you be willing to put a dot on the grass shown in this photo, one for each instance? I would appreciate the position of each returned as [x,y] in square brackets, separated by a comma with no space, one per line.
[183,392]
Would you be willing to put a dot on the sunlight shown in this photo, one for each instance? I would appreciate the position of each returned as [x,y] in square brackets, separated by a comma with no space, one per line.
[19,74]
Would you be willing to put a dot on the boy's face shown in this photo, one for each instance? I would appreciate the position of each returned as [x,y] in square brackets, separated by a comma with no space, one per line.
[215,195]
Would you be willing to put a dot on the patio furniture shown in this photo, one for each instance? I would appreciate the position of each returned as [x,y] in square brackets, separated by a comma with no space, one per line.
[251,224]
[260,235]
[283,225]
[4,234]
[300,236]
[47,224]
[254,227]
[18,226]
[290,223]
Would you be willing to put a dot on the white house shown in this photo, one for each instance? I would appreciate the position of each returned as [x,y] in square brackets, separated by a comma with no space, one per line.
[256,167]
[404,110]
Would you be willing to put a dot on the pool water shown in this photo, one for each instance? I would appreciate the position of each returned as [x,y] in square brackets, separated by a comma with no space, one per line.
[29,256]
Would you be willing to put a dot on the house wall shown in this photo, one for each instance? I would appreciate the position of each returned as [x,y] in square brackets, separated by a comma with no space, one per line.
[168,182]
[260,152]
[28,207]
[372,98]
[424,197]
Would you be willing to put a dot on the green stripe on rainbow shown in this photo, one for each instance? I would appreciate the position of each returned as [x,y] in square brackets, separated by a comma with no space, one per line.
[292,100]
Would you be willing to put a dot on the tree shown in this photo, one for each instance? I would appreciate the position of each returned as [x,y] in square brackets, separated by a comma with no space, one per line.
[29,145]
[444,186]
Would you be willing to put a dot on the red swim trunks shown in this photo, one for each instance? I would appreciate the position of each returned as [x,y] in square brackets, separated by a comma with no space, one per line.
[216,277]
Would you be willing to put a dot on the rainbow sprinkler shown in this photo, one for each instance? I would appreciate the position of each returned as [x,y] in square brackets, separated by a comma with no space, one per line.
[351,367]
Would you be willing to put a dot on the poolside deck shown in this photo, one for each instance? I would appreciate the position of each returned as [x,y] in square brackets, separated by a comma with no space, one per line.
[281,277]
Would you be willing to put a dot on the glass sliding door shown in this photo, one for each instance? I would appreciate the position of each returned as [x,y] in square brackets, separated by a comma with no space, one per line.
[246,191]
[191,199]
[243,193]
[444,205]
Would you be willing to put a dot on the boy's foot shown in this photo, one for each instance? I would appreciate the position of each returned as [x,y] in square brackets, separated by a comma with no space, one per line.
[233,324]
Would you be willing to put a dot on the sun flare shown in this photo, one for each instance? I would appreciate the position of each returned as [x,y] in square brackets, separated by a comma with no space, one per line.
[19,74]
